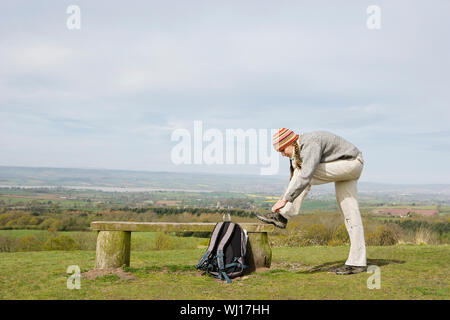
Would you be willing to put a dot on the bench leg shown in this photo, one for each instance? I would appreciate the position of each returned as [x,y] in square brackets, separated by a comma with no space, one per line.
[259,253]
[113,249]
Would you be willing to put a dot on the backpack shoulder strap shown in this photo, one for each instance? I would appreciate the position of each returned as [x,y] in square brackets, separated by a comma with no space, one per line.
[215,235]
[220,248]
[226,236]
[212,243]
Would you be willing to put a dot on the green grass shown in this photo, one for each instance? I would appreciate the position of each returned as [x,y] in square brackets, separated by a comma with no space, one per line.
[407,272]
[22,233]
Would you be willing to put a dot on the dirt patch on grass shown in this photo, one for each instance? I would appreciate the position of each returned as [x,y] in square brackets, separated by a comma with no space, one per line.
[95,273]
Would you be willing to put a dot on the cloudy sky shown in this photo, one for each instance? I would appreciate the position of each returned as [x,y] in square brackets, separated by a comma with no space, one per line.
[110,94]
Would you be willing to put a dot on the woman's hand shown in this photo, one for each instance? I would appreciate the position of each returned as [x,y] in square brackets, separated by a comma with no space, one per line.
[279,205]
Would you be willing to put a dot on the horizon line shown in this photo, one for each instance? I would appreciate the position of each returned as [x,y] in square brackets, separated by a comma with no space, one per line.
[208,173]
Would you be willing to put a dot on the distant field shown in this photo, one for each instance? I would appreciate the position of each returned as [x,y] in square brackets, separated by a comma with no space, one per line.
[42,200]
[416,207]
[407,272]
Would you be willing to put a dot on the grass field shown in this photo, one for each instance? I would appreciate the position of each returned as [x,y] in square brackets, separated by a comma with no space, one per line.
[141,241]
[407,272]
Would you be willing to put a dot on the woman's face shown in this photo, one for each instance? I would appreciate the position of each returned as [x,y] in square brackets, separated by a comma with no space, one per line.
[287,152]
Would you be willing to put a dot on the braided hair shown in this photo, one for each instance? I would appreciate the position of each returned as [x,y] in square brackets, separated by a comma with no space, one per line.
[297,159]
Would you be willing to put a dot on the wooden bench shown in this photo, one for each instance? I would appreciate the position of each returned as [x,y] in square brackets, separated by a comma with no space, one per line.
[114,239]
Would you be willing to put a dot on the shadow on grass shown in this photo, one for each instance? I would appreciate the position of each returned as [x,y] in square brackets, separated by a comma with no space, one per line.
[331,266]
[165,268]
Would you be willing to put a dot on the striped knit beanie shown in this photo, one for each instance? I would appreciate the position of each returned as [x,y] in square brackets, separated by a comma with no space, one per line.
[283,138]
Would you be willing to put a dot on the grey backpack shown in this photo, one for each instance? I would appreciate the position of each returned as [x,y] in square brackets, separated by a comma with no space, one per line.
[225,257]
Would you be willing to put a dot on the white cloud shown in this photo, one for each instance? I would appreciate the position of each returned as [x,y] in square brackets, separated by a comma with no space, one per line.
[36,57]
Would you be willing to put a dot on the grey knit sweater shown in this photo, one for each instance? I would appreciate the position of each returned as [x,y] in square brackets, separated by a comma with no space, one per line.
[318,147]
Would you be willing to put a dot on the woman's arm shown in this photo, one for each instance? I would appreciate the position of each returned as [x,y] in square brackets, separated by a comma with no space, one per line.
[311,155]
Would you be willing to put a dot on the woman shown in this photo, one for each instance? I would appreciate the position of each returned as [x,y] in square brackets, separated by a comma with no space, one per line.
[316,158]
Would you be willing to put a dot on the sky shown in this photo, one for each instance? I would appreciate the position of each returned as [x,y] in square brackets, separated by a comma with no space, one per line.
[111,94]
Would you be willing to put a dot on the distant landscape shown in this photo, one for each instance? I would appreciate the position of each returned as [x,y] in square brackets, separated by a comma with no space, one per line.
[123,181]
[68,199]
[45,215]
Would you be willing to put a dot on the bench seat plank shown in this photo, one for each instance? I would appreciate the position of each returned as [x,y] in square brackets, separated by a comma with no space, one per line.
[170,226]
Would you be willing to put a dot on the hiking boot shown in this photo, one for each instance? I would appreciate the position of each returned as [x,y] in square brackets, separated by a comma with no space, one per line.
[273,218]
[346,269]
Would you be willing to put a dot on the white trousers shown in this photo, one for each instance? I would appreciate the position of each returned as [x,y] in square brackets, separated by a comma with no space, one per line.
[345,175]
